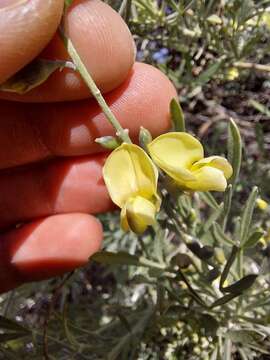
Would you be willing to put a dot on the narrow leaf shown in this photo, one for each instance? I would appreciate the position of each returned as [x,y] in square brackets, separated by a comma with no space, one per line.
[234,150]
[244,337]
[207,75]
[253,239]
[227,267]
[212,219]
[177,116]
[209,199]
[260,107]
[247,215]
[33,75]
[220,236]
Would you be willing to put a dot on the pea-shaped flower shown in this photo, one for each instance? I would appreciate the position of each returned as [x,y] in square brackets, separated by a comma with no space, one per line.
[181,156]
[131,179]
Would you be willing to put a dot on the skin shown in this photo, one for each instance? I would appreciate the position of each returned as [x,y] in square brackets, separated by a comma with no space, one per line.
[50,166]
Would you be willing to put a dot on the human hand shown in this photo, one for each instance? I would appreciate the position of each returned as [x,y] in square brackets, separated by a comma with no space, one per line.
[50,165]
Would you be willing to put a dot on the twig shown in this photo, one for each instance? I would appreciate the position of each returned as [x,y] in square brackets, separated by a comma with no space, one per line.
[249,65]
[120,132]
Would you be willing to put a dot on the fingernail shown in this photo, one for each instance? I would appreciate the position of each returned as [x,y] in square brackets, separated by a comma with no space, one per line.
[6,4]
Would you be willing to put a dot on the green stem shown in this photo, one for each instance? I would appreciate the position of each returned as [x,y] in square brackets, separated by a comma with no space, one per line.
[240,264]
[120,132]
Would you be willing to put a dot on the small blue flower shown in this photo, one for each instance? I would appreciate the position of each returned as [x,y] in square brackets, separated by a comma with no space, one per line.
[164,51]
[161,56]
[168,10]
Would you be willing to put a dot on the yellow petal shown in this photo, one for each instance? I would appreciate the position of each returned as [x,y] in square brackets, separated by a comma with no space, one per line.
[175,153]
[128,171]
[140,213]
[217,162]
[208,179]
[262,204]
[123,219]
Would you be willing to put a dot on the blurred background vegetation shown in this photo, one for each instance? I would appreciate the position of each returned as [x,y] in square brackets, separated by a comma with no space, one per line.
[217,55]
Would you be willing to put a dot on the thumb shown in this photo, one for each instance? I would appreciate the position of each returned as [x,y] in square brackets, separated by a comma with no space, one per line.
[26,26]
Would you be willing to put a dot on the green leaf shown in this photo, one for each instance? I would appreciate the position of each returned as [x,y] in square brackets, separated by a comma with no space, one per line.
[207,75]
[33,75]
[108,142]
[220,236]
[111,258]
[239,286]
[209,199]
[244,337]
[234,150]
[260,107]
[212,219]
[253,239]
[247,216]
[177,116]
[227,267]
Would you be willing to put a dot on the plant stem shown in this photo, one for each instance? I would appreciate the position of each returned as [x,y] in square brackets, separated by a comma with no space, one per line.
[248,65]
[120,132]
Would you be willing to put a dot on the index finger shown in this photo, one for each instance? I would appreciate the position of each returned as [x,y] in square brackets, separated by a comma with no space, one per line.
[26,26]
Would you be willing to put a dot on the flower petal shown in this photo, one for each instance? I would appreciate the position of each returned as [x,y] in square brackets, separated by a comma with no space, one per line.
[208,179]
[128,171]
[175,153]
[217,162]
[123,219]
[140,213]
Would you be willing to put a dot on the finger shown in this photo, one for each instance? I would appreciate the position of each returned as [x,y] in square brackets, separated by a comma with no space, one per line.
[60,186]
[30,134]
[25,29]
[47,247]
[105,45]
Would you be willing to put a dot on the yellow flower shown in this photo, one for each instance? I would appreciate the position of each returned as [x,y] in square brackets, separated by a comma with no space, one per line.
[232,74]
[131,179]
[262,204]
[180,156]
